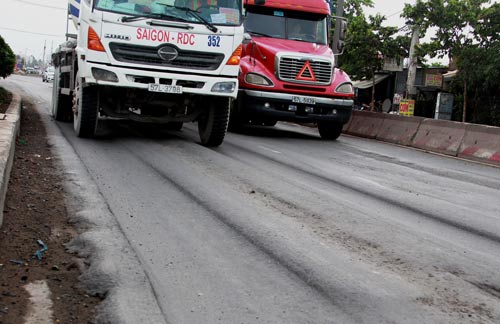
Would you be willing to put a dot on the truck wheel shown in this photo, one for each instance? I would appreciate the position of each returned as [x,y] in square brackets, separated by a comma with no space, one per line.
[329,131]
[212,124]
[270,122]
[85,109]
[174,126]
[61,104]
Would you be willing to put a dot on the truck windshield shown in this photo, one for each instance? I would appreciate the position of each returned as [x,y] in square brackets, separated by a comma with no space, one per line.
[216,12]
[292,25]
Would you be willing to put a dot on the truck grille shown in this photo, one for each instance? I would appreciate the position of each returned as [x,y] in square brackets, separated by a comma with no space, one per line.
[290,67]
[149,55]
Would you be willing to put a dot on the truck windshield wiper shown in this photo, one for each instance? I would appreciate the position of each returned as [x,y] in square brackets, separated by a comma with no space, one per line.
[152,15]
[258,33]
[195,14]
[132,18]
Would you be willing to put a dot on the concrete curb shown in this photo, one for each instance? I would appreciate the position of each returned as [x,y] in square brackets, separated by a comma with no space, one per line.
[365,124]
[9,129]
[399,130]
[468,141]
[439,136]
[481,143]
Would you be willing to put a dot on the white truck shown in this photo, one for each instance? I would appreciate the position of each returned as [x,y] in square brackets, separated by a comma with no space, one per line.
[162,61]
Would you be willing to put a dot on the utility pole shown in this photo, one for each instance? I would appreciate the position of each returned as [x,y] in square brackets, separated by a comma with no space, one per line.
[43,57]
[411,90]
[67,21]
[336,33]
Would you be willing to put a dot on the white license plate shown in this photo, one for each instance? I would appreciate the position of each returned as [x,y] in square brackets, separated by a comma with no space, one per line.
[165,88]
[304,100]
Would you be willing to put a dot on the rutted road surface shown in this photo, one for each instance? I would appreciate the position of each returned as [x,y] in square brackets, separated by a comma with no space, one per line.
[278,226]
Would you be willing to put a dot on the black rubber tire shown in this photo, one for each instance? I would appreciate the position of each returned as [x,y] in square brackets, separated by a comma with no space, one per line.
[329,131]
[85,109]
[269,122]
[174,126]
[61,104]
[213,123]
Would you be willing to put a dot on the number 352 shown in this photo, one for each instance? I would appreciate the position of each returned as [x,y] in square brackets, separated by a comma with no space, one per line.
[213,41]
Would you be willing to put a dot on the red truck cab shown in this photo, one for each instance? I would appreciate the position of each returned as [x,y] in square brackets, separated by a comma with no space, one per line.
[288,70]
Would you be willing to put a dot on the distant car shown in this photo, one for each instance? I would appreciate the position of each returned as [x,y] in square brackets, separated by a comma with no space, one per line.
[30,70]
[48,74]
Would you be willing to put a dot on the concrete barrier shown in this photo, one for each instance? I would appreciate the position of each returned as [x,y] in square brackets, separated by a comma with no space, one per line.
[399,129]
[481,143]
[346,125]
[439,136]
[9,129]
[365,123]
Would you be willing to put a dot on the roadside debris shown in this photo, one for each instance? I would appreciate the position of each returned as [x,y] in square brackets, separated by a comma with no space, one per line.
[38,254]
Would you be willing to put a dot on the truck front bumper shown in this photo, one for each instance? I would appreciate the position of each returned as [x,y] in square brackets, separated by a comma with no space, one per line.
[96,73]
[282,106]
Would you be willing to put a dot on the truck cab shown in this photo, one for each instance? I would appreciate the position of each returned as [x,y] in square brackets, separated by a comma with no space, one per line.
[151,61]
[287,69]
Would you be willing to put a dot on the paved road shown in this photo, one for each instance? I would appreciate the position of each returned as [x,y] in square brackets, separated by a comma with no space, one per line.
[278,226]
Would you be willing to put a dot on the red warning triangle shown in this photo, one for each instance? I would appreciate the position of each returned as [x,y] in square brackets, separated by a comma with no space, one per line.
[306,74]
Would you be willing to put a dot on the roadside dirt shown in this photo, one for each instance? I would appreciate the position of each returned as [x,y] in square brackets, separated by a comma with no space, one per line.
[35,213]
[5,98]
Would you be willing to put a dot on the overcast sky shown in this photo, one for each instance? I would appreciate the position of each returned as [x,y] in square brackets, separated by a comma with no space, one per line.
[26,25]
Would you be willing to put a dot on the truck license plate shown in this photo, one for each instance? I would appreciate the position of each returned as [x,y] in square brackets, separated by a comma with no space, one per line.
[165,88]
[304,100]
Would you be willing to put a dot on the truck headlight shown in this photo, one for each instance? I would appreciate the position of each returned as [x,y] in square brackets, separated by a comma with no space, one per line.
[104,75]
[224,87]
[345,88]
[258,79]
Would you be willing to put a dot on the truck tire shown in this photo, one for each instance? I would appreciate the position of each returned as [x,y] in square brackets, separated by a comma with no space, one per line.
[270,122]
[61,104]
[85,109]
[329,131]
[212,124]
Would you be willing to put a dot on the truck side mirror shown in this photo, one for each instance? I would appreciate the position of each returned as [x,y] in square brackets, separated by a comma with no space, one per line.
[341,37]
[247,38]
[342,30]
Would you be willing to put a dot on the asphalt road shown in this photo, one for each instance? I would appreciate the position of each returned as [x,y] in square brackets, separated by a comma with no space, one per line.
[278,226]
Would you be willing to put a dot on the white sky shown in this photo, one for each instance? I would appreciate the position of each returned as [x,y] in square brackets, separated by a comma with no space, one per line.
[26,25]
[391,9]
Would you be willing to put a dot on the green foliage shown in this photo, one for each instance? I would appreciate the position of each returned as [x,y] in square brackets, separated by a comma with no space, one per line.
[437,65]
[361,58]
[483,83]
[7,59]
[367,43]
[452,21]
[354,8]
[468,32]
[488,27]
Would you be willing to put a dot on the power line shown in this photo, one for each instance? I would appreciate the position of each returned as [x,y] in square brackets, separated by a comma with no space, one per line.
[397,12]
[40,5]
[29,32]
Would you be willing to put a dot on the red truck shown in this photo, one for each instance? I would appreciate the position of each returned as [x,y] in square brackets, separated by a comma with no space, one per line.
[287,69]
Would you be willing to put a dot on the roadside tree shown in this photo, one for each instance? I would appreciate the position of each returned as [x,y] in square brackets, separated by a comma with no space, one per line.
[467,32]
[367,43]
[7,59]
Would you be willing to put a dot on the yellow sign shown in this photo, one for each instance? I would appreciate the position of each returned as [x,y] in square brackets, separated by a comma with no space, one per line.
[406,107]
